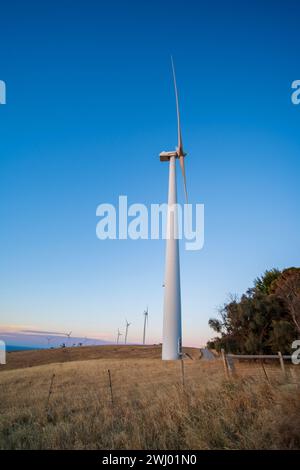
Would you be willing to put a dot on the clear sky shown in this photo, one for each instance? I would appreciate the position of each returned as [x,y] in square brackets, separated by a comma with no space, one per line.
[90,104]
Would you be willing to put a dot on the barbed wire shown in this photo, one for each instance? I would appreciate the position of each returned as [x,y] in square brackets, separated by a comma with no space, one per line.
[134,388]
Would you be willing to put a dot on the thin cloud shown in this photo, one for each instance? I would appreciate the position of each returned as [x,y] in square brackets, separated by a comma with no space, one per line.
[43,332]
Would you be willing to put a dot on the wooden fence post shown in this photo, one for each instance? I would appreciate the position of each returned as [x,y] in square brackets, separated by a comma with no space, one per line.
[230,365]
[50,391]
[224,363]
[110,386]
[265,372]
[182,372]
[293,374]
[282,364]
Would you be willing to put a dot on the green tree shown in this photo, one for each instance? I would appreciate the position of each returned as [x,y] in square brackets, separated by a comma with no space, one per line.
[287,287]
[263,284]
[261,320]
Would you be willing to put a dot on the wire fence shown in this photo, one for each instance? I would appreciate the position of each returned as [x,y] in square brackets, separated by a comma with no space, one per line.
[110,383]
[268,367]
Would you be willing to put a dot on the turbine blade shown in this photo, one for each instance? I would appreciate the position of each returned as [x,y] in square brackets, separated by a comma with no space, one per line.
[180,146]
[181,162]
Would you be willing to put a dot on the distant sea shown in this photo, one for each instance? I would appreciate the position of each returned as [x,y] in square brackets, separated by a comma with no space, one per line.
[10,348]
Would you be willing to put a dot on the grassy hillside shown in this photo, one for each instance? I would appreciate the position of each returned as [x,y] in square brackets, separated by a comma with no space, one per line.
[151,408]
[20,359]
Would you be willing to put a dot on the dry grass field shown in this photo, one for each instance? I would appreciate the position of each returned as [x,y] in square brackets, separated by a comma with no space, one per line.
[151,407]
[20,359]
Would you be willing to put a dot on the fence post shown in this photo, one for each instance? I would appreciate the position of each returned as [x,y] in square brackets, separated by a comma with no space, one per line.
[282,364]
[50,391]
[224,363]
[110,386]
[182,372]
[293,375]
[265,372]
[230,365]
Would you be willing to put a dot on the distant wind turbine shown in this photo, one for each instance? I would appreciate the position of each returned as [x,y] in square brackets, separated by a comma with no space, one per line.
[119,334]
[68,335]
[146,313]
[172,334]
[126,331]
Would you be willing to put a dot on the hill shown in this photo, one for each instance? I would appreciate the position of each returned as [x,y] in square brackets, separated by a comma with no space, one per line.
[143,404]
[21,359]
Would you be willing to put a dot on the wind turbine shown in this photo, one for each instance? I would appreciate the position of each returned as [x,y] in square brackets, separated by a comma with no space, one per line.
[126,331]
[48,338]
[119,334]
[172,334]
[68,335]
[145,324]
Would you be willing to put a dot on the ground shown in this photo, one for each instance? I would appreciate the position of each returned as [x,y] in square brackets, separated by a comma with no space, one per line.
[63,400]
[39,357]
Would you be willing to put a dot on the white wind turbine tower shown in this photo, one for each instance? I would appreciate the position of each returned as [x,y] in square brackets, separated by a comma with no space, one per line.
[126,331]
[172,335]
[145,324]
[119,334]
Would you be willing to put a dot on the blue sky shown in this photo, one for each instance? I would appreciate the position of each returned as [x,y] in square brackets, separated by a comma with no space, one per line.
[90,104]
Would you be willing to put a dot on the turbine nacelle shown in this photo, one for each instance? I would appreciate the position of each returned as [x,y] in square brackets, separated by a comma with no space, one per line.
[165,156]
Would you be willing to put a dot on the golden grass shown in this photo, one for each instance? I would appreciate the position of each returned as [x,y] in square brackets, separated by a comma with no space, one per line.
[151,410]
[21,359]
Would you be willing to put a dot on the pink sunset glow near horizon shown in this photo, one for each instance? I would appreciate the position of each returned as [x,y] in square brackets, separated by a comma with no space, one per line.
[30,336]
